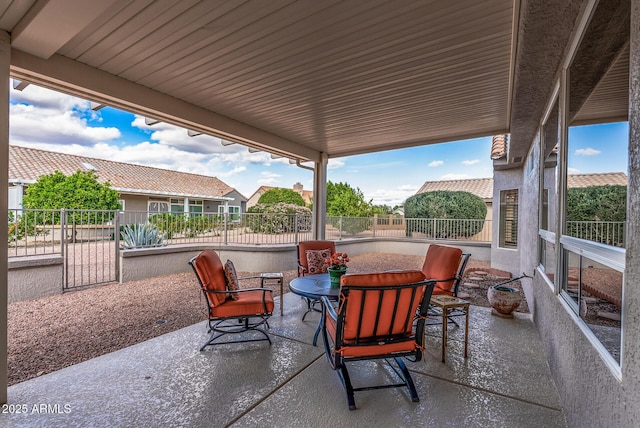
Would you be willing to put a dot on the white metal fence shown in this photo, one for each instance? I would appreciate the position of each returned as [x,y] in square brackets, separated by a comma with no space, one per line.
[605,232]
[41,232]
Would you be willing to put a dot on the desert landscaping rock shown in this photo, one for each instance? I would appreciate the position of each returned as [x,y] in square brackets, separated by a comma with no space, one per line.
[471,285]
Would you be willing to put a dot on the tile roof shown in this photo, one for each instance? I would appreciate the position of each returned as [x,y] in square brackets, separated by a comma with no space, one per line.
[499,146]
[482,187]
[27,164]
[602,179]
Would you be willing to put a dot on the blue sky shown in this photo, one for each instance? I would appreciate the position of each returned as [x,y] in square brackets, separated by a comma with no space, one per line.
[49,120]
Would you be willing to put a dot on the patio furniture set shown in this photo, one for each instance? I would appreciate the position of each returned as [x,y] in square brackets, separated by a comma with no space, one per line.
[368,316]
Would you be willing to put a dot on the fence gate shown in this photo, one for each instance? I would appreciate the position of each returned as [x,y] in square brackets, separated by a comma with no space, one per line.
[90,242]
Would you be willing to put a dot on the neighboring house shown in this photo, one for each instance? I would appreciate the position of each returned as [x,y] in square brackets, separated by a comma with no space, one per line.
[141,188]
[307,195]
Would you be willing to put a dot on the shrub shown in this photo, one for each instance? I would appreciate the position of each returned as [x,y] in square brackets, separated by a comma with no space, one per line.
[445,205]
[278,195]
[597,203]
[351,225]
[278,218]
[142,235]
[179,224]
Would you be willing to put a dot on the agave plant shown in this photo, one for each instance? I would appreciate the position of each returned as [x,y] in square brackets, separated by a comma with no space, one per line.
[142,235]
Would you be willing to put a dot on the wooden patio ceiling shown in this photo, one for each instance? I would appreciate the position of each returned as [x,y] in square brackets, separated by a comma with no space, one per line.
[301,78]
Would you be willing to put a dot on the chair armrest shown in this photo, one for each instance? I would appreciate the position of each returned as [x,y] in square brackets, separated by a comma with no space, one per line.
[301,269]
[244,290]
[328,308]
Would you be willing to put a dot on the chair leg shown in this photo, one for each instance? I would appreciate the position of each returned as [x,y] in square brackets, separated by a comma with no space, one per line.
[346,381]
[408,380]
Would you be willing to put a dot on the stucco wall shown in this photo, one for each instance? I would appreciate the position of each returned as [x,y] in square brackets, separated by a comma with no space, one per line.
[30,278]
[145,263]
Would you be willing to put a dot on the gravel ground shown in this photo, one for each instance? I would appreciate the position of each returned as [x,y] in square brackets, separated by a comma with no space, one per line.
[58,331]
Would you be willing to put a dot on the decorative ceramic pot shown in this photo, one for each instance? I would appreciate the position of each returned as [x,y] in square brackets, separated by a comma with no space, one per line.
[504,300]
[336,274]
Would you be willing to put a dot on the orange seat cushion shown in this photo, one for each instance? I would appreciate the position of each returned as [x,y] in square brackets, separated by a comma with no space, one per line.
[442,263]
[248,303]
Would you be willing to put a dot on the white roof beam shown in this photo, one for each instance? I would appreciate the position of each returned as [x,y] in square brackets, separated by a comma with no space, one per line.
[19,85]
[96,106]
[63,74]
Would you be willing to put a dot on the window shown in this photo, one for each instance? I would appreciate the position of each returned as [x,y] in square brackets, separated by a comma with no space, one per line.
[158,207]
[591,195]
[195,207]
[121,204]
[177,206]
[509,218]
[234,211]
[549,171]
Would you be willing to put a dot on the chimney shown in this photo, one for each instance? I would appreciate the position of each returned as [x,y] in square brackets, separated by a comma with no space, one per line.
[297,188]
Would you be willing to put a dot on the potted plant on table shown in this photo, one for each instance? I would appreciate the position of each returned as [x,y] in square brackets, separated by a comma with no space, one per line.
[337,267]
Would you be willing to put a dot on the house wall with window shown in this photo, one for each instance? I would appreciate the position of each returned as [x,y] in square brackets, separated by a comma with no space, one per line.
[505,257]
[596,365]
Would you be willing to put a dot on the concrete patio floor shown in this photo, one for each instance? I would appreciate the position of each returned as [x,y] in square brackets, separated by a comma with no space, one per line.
[166,381]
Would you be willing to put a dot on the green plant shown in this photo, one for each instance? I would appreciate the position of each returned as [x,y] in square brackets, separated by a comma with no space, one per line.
[351,225]
[279,195]
[21,227]
[79,192]
[443,206]
[142,235]
[278,218]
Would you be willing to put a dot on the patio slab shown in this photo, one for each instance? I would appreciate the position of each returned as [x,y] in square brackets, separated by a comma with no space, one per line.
[166,381]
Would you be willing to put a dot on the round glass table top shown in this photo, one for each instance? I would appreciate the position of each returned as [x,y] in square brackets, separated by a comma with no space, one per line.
[314,286]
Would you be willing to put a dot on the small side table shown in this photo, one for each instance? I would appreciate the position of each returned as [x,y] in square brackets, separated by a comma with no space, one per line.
[273,279]
[446,305]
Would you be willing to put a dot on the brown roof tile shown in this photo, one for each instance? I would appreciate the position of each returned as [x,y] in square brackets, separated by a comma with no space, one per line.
[27,164]
[499,146]
[482,187]
[602,179]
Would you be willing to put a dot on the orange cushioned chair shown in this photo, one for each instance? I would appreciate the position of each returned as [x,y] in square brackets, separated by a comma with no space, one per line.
[376,319]
[305,268]
[236,311]
[304,246]
[446,266]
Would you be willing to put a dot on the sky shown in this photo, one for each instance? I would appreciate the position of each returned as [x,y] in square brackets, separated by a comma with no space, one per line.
[49,120]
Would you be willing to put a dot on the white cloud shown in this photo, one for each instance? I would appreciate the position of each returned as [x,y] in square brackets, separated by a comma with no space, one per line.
[435,163]
[454,177]
[573,171]
[335,163]
[587,152]
[53,118]
[471,162]
[268,178]
[394,196]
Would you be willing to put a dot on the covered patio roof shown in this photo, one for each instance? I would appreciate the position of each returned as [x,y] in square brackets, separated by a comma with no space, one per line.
[301,78]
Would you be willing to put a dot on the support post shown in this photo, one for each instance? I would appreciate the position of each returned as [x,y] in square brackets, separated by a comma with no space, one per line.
[320,197]
[5,60]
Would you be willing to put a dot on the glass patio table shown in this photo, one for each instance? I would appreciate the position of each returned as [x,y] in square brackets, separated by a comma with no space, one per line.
[314,287]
